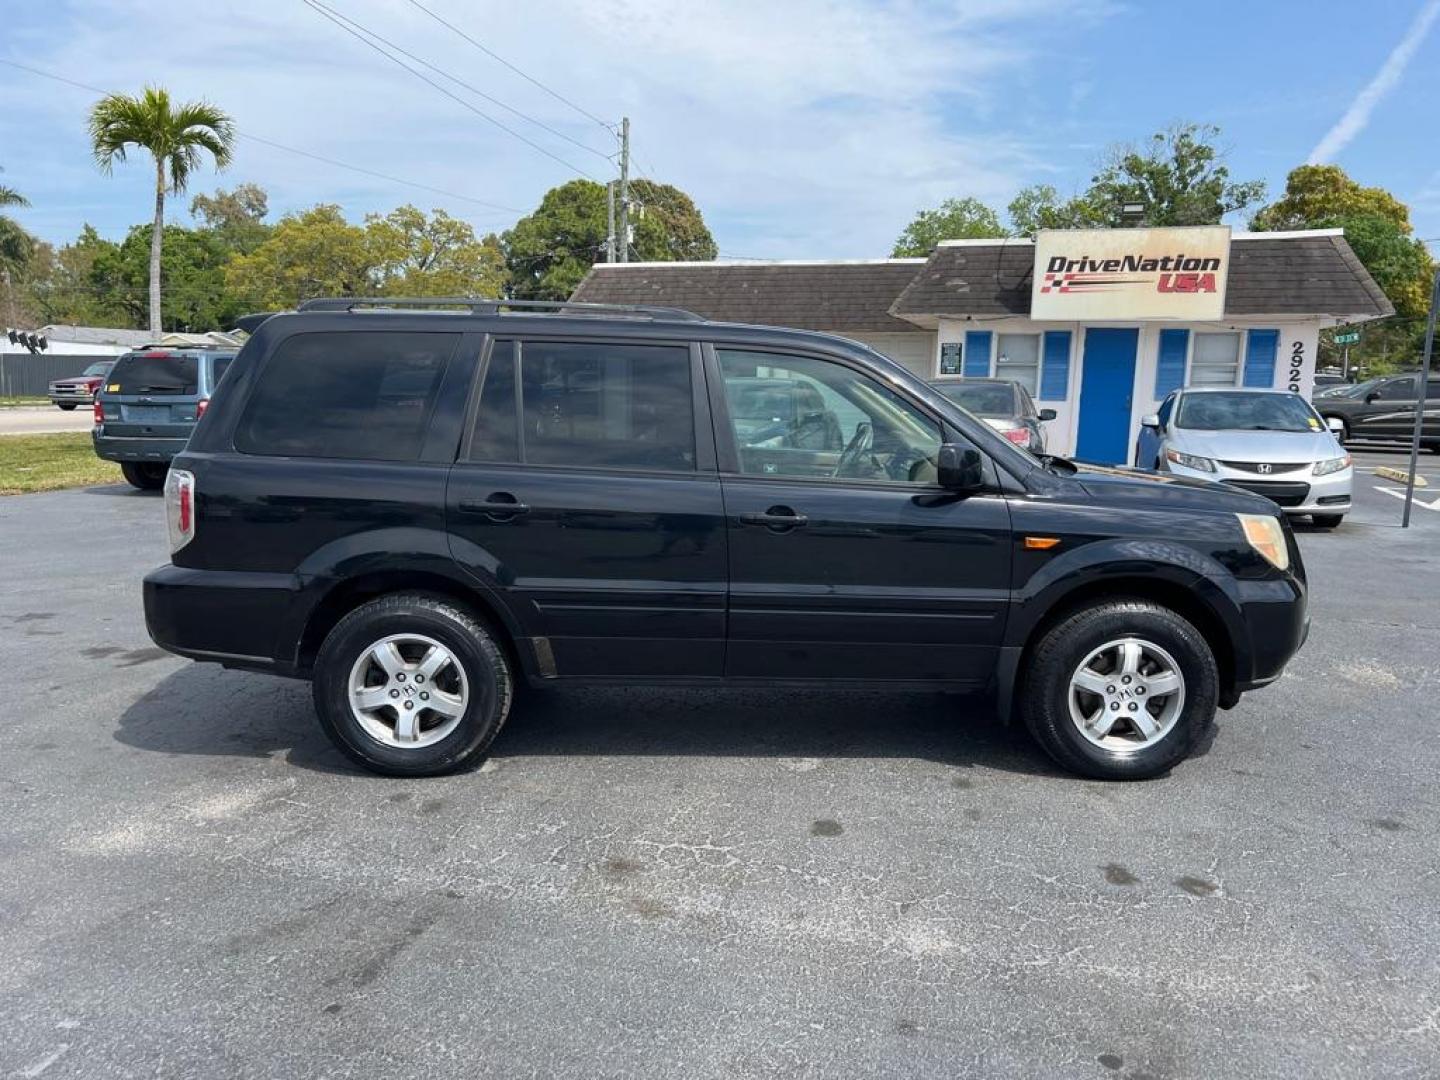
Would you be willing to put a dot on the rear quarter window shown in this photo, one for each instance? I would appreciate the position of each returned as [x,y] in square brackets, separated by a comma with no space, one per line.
[353,394]
[155,373]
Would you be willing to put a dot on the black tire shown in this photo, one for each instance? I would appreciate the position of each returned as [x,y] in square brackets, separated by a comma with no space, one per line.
[145,475]
[1327,521]
[475,649]
[66,406]
[1044,696]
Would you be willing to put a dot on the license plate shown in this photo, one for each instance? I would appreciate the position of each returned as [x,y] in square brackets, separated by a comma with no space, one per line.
[147,414]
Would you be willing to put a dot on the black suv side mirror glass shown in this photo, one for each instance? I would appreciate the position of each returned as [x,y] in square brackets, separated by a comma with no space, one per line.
[1048,414]
[959,468]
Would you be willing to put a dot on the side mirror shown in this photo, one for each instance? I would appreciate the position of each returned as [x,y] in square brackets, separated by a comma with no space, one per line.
[1047,414]
[1150,420]
[1373,395]
[959,468]
[1336,425]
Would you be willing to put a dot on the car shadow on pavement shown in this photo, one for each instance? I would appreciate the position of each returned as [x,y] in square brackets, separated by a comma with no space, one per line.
[205,710]
[122,490]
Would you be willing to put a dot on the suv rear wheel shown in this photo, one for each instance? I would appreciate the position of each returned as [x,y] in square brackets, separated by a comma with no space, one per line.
[1121,690]
[411,685]
[145,475]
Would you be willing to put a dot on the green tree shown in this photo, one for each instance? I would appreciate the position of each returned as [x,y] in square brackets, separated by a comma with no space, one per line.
[71,290]
[1316,193]
[237,217]
[435,256]
[549,251]
[1377,227]
[312,253]
[953,219]
[1178,175]
[175,135]
[193,264]
[16,249]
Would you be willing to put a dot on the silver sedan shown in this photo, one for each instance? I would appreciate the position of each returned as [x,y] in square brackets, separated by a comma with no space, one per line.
[1270,442]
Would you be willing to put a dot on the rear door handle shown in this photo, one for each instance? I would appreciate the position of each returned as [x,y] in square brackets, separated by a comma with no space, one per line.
[501,506]
[777,519]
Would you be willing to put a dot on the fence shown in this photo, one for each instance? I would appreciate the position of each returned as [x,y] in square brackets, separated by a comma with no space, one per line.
[24,375]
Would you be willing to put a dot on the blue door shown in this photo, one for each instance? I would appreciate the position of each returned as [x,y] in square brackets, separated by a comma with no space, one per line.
[1106,387]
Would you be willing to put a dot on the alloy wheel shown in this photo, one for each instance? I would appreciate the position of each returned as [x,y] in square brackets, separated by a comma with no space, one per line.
[1126,695]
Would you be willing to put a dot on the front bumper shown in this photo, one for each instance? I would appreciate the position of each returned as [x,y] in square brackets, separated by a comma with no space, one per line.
[120,448]
[1296,491]
[1276,612]
[71,397]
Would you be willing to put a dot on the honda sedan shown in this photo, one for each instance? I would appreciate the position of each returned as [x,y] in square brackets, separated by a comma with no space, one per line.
[1270,442]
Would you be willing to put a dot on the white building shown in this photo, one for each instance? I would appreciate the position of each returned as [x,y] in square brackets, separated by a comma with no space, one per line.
[1117,334]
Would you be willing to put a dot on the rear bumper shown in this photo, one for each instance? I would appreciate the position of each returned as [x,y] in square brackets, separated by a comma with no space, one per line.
[120,448]
[228,617]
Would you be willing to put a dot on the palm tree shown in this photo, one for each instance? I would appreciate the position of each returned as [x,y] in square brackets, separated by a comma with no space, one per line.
[16,246]
[175,135]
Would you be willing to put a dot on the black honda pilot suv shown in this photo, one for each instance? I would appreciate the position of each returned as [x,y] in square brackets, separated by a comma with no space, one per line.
[422,505]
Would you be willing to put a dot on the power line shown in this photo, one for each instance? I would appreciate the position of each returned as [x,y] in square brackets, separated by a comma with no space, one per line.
[500,59]
[468,86]
[291,149]
[324,11]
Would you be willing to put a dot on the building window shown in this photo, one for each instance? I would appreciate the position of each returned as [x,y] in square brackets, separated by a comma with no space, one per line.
[1018,358]
[1215,360]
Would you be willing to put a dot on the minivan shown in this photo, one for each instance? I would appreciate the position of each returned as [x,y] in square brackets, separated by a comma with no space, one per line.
[499,494]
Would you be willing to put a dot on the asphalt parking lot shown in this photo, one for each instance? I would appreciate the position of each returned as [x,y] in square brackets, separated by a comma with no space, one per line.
[737,884]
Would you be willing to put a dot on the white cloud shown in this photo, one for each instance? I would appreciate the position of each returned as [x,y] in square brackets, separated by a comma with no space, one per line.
[801,127]
[1357,116]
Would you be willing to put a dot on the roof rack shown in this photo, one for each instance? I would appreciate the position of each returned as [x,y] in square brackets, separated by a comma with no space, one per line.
[487,306]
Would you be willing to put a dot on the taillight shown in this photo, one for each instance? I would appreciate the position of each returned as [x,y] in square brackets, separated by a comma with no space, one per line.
[200,407]
[1019,436]
[99,411]
[180,507]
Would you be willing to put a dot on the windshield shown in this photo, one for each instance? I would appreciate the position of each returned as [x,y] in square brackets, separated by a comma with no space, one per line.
[99,369]
[982,399]
[1359,389]
[1241,411]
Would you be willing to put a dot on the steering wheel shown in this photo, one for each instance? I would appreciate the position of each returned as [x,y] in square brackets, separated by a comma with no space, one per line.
[859,445]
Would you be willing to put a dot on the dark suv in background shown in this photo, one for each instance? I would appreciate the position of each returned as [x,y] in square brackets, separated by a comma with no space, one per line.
[1384,409]
[494,493]
[149,404]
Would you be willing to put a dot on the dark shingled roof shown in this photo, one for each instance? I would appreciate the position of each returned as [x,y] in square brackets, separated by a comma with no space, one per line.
[807,296]
[1296,275]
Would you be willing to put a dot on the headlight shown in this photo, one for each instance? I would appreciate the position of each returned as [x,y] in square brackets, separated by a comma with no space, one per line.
[1325,468]
[1190,461]
[1266,535]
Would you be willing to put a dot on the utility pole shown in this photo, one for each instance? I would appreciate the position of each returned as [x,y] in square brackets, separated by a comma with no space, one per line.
[610,221]
[624,189]
[1422,400]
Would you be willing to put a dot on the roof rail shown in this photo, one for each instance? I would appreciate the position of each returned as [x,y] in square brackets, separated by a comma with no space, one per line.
[479,305]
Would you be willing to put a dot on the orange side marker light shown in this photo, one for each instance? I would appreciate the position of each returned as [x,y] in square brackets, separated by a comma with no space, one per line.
[1040,543]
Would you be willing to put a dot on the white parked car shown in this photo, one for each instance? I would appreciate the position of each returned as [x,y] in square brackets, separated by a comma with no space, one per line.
[1267,441]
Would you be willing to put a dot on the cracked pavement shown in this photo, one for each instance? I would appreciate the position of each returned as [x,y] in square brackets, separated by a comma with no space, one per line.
[688,884]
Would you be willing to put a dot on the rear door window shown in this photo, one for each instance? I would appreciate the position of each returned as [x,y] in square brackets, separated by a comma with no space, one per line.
[360,395]
[155,373]
[218,366]
[596,404]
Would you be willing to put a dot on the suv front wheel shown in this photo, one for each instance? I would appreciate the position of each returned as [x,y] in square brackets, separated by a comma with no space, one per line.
[1121,690]
[412,685]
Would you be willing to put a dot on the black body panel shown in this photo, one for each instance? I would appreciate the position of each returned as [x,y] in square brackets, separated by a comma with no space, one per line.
[702,575]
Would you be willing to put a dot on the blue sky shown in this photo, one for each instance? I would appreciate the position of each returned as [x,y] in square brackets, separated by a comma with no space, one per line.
[803,128]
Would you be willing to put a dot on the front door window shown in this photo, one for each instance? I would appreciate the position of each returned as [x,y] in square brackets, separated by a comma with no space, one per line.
[797,416]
